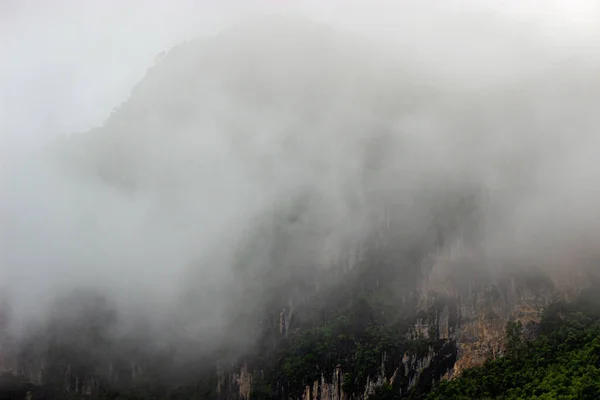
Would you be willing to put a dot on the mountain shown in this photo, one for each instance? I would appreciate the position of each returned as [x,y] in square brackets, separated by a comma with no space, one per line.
[289,211]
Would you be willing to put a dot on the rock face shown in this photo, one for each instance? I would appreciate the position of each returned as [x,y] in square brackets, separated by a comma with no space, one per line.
[239,382]
[326,387]
[463,329]
[456,329]
[476,321]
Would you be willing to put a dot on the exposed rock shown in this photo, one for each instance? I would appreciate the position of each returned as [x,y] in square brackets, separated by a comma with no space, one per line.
[326,388]
[238,383]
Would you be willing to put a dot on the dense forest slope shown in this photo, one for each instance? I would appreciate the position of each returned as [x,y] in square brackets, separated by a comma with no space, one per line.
[286,211]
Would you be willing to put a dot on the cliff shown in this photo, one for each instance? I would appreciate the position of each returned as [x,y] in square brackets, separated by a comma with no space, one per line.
[448,333]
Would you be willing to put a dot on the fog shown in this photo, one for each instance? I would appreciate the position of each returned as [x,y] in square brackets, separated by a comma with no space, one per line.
[337,125]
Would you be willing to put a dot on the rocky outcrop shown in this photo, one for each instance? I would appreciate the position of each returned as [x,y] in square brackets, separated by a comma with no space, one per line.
[327,387]
[475,318]
[239,382]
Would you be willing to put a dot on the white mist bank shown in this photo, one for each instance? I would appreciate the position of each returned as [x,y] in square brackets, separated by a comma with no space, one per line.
[387,126]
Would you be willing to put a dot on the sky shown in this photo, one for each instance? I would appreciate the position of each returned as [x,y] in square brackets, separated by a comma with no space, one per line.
[66,63]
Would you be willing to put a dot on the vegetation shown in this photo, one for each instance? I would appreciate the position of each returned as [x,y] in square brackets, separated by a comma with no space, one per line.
[357,341]
[354,328]
[356,348]
[562,363]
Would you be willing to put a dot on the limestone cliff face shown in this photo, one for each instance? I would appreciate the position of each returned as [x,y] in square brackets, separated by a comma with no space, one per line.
[476,320]
[475,314]
[415,365]
[459,324]
[239,382]
[330,386]
[464,324]
[326,388]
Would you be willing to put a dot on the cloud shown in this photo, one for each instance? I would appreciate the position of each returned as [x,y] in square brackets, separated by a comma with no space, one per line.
[279,147]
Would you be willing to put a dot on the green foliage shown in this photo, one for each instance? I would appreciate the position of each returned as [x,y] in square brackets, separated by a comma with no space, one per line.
[351,341]
[261,390]
[514,339]
[562,363]
[316,348]
[384,392]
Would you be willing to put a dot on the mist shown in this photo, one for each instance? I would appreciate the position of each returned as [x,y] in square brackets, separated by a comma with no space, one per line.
[299,142]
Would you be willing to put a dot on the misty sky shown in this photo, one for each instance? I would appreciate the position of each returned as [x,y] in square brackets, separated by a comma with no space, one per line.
[66,63]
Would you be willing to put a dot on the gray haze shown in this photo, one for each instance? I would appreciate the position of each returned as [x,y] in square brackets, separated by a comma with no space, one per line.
[350,127]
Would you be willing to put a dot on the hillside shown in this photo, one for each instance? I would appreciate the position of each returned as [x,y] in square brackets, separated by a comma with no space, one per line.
[289,211]
[562,363]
